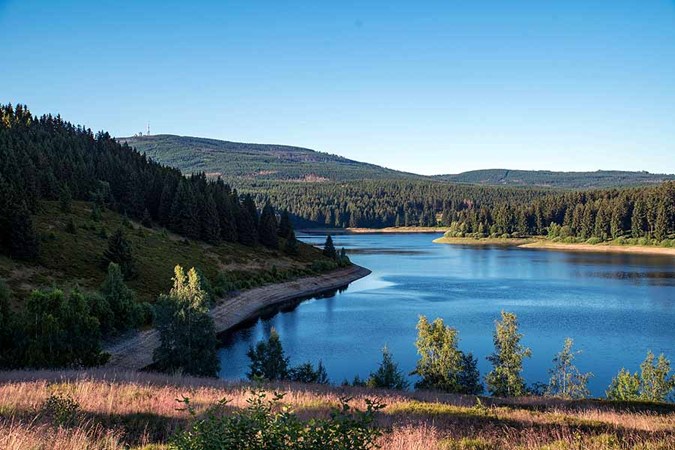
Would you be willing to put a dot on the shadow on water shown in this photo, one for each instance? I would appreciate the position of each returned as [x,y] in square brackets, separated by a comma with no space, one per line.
[227,337]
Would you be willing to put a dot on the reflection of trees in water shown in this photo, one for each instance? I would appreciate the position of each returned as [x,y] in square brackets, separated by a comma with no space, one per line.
[660,278]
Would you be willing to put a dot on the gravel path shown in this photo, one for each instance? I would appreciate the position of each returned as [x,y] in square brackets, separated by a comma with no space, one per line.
[134,352]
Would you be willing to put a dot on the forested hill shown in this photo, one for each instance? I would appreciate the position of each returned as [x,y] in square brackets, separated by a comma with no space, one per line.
[232,160]
[563,180]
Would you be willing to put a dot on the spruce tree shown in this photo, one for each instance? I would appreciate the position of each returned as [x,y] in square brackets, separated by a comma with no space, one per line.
[268,360]
[23,240]
[285,225]
[329,248]
[469,376]
[210,220]
[120,299]
[388,376]
[119,252]
[268,229]
[184,211]
[291,246]
[187,333]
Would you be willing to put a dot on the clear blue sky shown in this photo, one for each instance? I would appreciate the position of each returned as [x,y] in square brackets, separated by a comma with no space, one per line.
[430,87]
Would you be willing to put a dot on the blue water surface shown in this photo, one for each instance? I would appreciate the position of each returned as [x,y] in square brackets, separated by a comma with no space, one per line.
[614,306]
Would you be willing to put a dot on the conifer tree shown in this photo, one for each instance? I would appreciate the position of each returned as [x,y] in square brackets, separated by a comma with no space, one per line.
[329,248]
[268,229]
[268,360]
[120,299]
[119,252]
[23,240]
[210,220]
[469,376]
[285,225]
[388,376]
[505,379]
[291,246]
[65,199]
[187,334]
[184,213]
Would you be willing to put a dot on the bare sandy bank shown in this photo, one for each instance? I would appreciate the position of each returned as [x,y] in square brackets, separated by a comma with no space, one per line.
[560,246]
[397,230]
[135,352]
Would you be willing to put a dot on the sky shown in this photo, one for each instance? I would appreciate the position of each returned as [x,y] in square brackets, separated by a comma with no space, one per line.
[423,86]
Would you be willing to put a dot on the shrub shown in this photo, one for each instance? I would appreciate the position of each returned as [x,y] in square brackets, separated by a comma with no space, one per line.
[266,425]
[60,410]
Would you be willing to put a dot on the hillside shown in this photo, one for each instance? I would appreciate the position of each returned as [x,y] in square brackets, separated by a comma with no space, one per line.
[104,410]
[232,160]
[561,180]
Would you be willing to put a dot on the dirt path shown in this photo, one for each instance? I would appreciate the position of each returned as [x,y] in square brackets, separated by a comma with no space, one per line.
[135,352]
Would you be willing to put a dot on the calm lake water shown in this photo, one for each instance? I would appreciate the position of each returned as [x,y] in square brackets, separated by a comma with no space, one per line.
[614,306]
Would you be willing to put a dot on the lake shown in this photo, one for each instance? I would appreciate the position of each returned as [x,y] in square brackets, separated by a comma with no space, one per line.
[614,306]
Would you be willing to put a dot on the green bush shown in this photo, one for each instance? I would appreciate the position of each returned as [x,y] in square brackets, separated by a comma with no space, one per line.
[60,410]
[594,240]
[266,425]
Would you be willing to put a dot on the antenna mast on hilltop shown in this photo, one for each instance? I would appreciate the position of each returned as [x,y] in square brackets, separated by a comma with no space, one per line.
[148,134]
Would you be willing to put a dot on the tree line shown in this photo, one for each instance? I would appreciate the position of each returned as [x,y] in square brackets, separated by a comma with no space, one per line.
[442,366]
[47,158]
[646,213]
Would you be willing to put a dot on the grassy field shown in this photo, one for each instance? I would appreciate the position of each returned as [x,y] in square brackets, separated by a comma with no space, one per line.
[68,259]
[136,410]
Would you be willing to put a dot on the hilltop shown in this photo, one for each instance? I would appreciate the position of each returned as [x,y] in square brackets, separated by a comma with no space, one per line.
[561,180]
[253,163]
[257,162]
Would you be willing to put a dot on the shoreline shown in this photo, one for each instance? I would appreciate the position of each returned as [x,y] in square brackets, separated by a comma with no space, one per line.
[135,352]
[393,230]
[543,244]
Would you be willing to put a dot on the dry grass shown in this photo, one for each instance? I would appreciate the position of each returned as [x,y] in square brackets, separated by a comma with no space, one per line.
[135,409]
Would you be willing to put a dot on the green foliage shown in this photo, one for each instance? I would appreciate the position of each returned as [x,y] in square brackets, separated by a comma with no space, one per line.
[291,245]
[285,226]
[329,248]
[653,384]
[566,380]
[388,376]
[268,360]
[23,240]
[7,357]
[59,331]
[60,410]
[505,379]
[267,425]
[125,312]
[187,334]
[306,373]
[268,231]
[442,365]
[119,252]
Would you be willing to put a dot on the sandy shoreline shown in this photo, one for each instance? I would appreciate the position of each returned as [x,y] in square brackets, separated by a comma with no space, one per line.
[135,352]
[543,244]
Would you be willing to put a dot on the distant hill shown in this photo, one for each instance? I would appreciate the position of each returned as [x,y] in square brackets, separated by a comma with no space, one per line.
[256,161]
[271,162]
[564,180]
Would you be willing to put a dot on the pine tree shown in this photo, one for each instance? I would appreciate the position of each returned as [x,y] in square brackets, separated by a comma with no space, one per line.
[268,230]
[120,299]
[210,220]
[187,333]
[469,376]
[388,376]
[329,249]
[268,360]
[23,240]
[119,252]
[285,225]
[184,213]
[291,246]
[505,379]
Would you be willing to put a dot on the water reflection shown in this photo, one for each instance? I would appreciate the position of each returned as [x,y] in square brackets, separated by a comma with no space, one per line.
[616,307]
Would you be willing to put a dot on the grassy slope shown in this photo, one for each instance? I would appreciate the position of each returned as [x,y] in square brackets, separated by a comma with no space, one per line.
[233,160]
[140,410]
[563,180]
[76,259]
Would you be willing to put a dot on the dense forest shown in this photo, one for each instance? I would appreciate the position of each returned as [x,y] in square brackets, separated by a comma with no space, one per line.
[647,212]
[562,180]
[236,160]
[47,158]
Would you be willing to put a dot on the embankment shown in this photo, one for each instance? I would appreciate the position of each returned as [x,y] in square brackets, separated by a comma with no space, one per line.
[135,352]
[544,244]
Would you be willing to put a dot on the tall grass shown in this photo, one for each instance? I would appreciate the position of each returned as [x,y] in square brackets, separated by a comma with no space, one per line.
[134,409]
